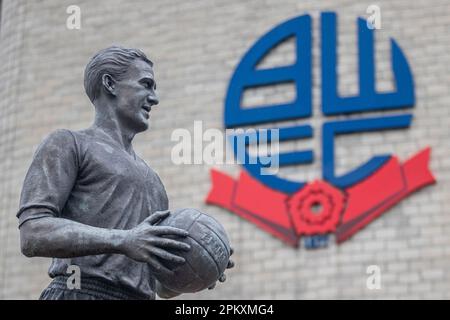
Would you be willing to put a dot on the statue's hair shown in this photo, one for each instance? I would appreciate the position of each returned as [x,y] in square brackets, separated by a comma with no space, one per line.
[114,61]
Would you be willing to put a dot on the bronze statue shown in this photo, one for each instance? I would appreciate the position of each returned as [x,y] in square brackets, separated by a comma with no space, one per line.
[88,200]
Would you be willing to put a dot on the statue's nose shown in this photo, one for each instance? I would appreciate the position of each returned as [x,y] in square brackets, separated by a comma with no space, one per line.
[153,99]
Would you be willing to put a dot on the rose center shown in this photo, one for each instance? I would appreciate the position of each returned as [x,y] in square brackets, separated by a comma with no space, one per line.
[316,208]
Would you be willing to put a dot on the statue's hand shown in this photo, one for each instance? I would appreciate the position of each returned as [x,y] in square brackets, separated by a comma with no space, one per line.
[223,277]
[147,243]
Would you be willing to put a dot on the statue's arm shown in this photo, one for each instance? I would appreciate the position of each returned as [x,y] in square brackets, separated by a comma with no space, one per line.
[62,238]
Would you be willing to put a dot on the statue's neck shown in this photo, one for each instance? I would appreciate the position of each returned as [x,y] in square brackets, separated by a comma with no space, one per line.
[107,122]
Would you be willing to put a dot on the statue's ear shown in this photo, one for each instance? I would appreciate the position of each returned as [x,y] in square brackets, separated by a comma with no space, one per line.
[109,84]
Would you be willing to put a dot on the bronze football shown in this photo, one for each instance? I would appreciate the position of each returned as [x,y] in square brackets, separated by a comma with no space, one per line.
[209,254]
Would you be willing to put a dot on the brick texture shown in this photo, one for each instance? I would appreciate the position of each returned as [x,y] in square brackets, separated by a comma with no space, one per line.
[195,46]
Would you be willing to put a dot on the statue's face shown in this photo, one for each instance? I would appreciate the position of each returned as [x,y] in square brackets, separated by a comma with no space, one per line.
[136,94]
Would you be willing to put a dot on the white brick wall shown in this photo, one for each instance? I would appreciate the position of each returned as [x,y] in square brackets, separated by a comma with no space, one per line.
[196,46]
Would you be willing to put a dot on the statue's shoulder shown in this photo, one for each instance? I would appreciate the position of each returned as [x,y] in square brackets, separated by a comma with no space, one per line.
[79,136]
[59,137]
[59,143]
[69,139]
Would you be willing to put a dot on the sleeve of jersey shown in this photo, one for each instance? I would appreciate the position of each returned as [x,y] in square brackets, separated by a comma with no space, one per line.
[50,178]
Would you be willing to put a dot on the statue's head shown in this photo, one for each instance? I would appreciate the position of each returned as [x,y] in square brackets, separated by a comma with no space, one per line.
[124,79]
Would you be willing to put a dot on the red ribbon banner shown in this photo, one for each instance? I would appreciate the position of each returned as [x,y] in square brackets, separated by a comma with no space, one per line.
[318,207]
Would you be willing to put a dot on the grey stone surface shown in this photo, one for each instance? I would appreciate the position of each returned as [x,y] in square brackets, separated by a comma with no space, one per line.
[196,49]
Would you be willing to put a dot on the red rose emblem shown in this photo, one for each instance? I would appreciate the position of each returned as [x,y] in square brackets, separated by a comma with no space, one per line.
[316,208]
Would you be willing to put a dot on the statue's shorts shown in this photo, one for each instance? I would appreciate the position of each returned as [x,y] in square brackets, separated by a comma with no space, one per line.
[91,289]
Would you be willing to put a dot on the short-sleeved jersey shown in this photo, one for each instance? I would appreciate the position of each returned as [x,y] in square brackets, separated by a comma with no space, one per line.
[85,176]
